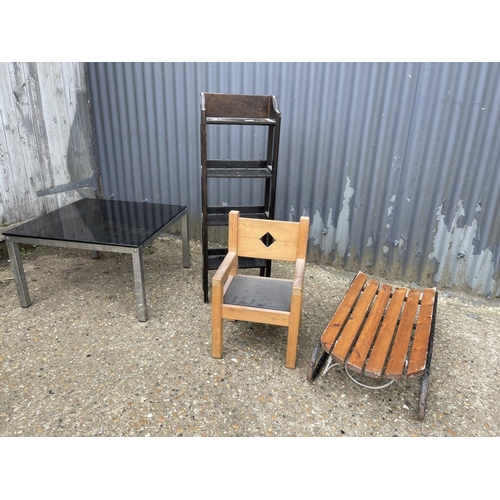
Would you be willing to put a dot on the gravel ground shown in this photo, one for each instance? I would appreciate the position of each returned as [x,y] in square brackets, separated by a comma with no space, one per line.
[78,363]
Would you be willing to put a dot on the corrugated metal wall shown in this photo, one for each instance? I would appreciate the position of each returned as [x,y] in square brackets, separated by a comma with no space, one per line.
[45,137]
[395,163]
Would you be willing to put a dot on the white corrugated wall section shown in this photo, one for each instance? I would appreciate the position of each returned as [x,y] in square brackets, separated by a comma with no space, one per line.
[45,137]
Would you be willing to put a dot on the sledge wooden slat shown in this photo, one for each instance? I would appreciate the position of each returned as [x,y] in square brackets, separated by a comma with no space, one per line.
[343,311]
[360,352]
[399,350]
[383,341]
[418,357]
[354,323]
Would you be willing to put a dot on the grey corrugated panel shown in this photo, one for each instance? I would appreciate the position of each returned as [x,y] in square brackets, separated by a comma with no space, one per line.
[365,132]
[375,153]
[449,194]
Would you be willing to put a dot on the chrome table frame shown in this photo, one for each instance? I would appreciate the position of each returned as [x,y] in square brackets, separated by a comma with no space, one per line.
[136,252]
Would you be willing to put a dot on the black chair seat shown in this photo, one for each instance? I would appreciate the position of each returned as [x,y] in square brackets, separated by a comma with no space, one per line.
[259,292]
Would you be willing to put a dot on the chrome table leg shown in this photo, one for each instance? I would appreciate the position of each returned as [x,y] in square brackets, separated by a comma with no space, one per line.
[140,288]
[17,268]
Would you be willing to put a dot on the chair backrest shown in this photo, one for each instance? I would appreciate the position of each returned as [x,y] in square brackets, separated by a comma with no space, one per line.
[268,239]
[238,105]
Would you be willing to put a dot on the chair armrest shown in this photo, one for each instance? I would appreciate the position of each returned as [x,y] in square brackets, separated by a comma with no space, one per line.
[221,275]
[298,277]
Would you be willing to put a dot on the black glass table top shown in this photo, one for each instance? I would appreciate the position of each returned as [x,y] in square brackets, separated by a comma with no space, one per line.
[105,222]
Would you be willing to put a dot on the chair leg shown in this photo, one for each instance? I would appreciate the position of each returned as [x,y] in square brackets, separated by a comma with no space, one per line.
[216,337]
[293,332]
[217,322]
[291,347]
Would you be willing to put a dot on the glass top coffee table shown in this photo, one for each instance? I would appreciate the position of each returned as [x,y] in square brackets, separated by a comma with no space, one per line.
[99,225]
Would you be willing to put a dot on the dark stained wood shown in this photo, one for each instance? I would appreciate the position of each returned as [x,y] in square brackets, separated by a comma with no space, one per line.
[238,169]
[342,313]
[360,352]
[354,323]
[218,216]
[204,202]
[238,106]
[216,256]
[237,110]
[377,358]
[418,357]
[396,363]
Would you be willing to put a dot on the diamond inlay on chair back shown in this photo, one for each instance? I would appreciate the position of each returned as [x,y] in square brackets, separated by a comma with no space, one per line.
[269,239]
